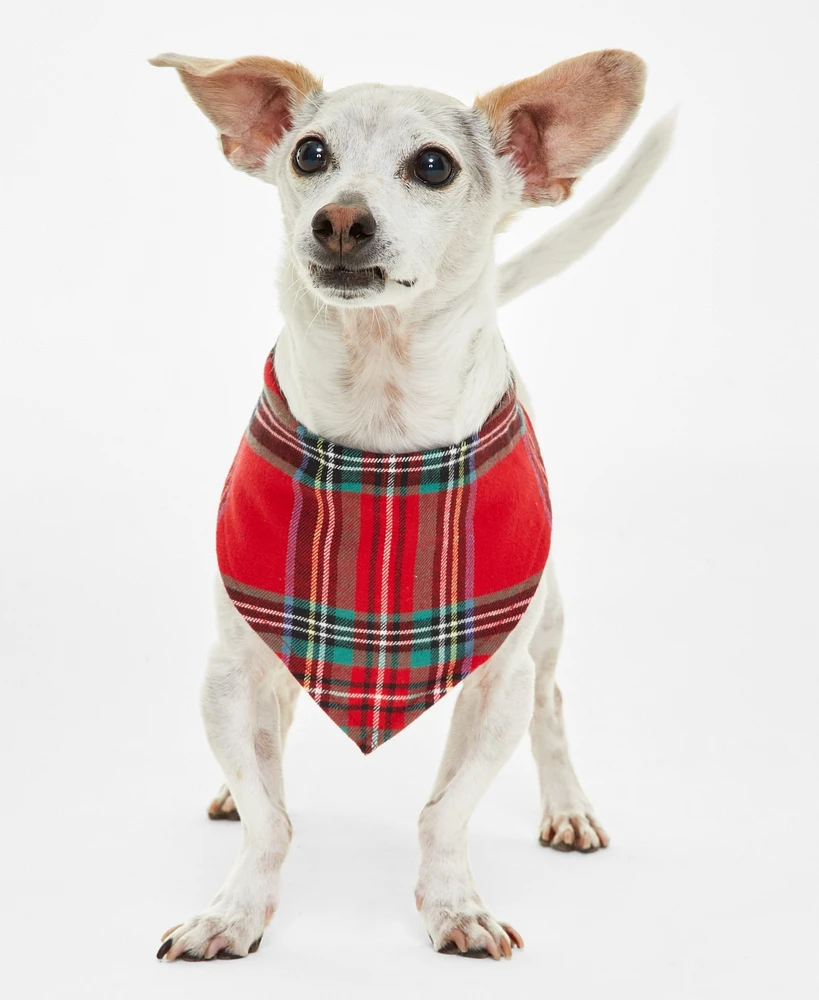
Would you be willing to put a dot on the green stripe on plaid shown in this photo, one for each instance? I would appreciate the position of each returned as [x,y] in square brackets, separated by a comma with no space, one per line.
[428,638]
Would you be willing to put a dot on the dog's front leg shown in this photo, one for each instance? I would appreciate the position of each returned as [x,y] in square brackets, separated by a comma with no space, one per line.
[242,721]
[282,691]
[568,822]
[493,709]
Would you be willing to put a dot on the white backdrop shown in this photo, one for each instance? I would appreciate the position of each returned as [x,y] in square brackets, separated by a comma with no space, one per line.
[674,372]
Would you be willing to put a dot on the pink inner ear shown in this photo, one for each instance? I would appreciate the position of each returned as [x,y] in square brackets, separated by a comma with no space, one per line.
[250,105]
[555,125]
[264,124]
[531,155]
[260,107]
[277,113]
[249,100]
[528,150]
[252,112]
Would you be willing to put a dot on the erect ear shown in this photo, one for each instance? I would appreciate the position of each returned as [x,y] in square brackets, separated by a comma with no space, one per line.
[251,100]
[555,125]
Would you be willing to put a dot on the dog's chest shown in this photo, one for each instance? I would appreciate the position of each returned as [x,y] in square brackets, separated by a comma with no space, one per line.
[376,389]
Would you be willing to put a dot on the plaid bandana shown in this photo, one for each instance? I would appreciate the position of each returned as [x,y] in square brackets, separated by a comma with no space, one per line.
[381,581]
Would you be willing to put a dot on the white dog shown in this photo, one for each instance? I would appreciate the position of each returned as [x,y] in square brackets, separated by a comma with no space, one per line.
[392,197]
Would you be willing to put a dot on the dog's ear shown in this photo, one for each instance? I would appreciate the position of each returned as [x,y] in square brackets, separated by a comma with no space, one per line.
[251,101]
[555,125]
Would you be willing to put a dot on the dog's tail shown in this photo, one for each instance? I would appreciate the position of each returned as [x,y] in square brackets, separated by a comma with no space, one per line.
[570,240]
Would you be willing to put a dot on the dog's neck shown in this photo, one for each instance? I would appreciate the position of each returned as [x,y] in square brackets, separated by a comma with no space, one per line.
[389,380]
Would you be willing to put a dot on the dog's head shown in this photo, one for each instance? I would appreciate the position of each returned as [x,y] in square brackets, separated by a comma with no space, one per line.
[388,192]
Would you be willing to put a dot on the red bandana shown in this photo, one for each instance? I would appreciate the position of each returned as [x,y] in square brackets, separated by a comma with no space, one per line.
[380,580]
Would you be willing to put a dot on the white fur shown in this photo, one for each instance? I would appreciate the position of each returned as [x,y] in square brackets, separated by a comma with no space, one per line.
[403,370]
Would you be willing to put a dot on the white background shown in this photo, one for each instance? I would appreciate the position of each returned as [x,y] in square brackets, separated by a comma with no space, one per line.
[674,372]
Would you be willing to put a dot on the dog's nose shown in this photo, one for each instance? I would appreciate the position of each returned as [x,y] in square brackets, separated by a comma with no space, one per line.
[344,229]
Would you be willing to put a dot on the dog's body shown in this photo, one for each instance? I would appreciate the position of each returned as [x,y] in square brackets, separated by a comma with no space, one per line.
[392,345]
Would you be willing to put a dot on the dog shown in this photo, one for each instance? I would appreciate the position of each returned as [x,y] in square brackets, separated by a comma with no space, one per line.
[391,199]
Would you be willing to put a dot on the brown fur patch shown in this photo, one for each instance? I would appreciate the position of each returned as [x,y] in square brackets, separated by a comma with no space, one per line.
[393,393]
[556,124]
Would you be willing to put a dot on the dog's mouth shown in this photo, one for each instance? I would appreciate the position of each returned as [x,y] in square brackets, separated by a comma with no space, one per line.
[351,283]
[348,282]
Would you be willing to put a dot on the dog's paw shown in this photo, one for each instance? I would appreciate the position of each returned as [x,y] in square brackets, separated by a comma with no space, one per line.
[218,932]
[471,934]
[223,806]
[573,831]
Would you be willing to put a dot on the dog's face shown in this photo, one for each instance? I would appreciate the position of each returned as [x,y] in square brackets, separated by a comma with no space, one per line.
[389,192]
[385,191]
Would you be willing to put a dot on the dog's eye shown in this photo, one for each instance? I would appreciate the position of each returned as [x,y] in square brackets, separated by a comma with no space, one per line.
[433,167]
[310,156]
